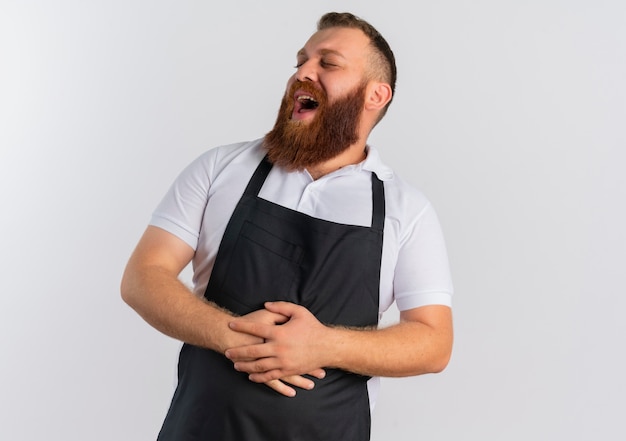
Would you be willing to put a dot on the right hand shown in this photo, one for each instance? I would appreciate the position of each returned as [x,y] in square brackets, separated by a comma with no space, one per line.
[264,316]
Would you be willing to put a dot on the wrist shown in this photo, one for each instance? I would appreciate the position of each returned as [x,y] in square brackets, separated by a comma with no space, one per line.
[336,343]
[218,335]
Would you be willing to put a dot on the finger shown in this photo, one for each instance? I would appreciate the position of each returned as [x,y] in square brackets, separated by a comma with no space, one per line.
[281,388]
[250,353]
[278,319]
[299,381]
[318,373]
[264,316]
[257,329]
[264,377]
[284,308]
[263,365]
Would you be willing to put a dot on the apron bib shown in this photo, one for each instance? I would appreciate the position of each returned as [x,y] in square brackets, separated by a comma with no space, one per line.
[272,253]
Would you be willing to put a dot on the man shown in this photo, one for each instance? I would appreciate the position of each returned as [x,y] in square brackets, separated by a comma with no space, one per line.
[291,272]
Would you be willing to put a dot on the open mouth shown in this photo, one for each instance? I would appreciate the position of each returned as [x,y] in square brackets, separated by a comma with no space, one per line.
[307,102]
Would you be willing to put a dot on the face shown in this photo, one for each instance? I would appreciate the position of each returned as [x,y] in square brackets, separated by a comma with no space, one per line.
[334,61]
[321,110]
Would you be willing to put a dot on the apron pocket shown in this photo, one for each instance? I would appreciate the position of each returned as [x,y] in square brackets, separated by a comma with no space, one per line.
[263,267]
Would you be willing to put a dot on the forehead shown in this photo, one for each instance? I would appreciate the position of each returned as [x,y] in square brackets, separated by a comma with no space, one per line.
[349,43]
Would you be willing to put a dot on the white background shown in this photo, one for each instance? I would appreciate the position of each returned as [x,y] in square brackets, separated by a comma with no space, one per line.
[509,115]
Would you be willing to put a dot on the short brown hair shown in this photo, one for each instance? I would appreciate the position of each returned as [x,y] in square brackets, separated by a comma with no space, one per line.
[384,62]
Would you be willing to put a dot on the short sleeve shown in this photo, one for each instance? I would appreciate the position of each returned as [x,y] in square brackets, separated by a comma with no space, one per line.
[422,274]
[181,210]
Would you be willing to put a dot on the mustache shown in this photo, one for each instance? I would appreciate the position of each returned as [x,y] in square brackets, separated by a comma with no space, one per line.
[309,88]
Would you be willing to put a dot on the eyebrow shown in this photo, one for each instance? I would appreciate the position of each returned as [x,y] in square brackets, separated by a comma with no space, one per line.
[302,53]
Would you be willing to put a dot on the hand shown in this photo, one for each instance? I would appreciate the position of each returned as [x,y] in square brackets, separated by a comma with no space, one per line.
[294,347]
[264,316]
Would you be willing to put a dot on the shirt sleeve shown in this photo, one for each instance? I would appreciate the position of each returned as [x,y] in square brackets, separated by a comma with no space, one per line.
[422,274]
[181,210]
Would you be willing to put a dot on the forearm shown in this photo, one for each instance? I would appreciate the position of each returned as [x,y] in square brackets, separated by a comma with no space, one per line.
[405,349]
[169,306]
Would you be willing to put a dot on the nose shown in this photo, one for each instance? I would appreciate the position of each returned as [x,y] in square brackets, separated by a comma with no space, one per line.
[306,71]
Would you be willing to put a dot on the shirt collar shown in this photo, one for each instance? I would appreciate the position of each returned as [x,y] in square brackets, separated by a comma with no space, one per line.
[374,164]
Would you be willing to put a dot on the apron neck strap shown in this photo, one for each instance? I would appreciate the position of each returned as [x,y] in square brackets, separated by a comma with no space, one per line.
[378,203]
[258,178]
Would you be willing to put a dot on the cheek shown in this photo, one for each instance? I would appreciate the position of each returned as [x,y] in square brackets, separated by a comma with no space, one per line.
[338,88]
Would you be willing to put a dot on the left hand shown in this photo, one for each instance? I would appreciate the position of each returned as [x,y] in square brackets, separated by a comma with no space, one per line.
[295,347]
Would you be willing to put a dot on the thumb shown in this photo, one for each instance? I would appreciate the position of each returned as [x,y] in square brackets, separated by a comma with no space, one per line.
[284,308]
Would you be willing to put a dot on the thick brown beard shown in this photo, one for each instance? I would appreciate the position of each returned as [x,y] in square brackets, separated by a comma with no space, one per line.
[296,145]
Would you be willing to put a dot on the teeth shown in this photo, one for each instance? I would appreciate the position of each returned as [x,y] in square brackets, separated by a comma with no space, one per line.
[307,102]
[303,98]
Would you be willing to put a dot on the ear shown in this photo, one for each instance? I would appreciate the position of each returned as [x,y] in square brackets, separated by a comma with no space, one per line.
[378,95]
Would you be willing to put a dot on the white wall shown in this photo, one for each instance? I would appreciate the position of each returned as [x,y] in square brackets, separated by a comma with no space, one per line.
[509,116]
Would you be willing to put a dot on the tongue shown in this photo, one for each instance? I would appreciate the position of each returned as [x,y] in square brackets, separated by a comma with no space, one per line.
[309,104]
[307,107]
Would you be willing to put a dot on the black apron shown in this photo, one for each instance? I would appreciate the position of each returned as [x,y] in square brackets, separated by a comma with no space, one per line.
[272,253]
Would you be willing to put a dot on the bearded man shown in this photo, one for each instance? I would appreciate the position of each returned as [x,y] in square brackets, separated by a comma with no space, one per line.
[291,269]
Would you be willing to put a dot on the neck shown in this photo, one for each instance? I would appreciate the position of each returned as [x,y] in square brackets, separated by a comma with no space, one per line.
[352,155]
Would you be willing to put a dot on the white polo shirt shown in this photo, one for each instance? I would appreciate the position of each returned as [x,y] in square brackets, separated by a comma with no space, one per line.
[414,269]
